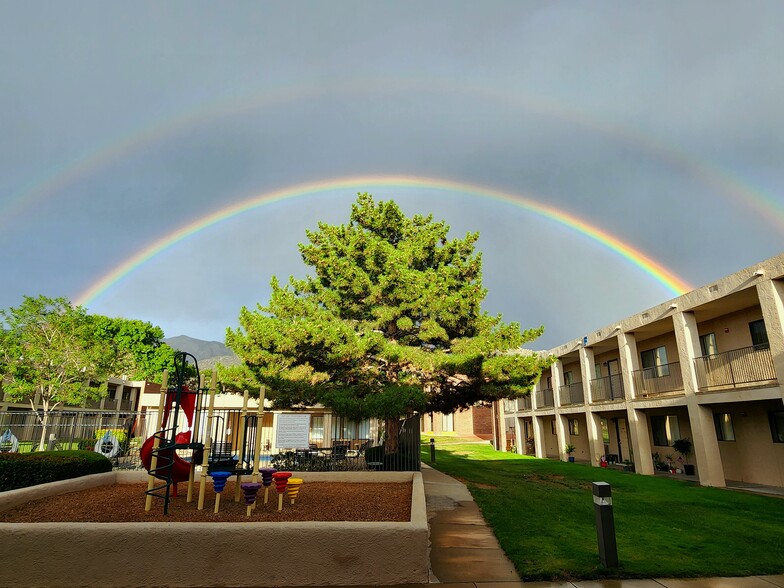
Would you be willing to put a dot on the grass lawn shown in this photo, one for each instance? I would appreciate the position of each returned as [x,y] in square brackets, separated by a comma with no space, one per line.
[543,516]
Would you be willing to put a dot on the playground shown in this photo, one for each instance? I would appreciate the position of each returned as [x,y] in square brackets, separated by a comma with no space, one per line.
[316,501]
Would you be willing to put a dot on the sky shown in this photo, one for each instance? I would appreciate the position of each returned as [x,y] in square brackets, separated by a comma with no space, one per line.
[161,161]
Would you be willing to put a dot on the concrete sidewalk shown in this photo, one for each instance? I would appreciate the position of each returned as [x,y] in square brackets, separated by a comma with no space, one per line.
[464,553]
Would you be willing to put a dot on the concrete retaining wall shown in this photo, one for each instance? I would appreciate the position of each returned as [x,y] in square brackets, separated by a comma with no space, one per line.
[213,554]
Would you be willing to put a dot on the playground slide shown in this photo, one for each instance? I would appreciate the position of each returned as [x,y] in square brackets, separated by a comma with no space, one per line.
[181,469]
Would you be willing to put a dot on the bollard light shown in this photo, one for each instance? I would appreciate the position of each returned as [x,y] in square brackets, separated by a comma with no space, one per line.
[605,524]
[432,450]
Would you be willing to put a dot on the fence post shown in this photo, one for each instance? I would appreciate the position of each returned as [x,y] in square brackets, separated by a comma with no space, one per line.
[432,450]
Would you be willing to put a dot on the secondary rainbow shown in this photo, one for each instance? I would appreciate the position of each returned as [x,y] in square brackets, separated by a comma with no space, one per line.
[769,206]
[666,277]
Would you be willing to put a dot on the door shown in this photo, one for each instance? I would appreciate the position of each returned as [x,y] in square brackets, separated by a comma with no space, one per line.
[613,369]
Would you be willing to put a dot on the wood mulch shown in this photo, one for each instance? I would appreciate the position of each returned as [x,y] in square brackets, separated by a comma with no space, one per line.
[317,501]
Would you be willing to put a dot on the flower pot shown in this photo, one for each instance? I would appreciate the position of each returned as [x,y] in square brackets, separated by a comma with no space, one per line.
[571,458]
[689,469]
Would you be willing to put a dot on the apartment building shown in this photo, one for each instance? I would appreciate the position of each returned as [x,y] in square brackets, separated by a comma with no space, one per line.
[706,366]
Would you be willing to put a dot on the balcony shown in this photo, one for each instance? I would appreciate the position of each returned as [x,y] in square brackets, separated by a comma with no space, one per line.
[524,403]
[748,365]
[658,380]
[607,388]
[509,405]
[544,398]
[571,394]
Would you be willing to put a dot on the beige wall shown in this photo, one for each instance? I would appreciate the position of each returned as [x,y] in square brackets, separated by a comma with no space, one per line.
[581,445]
[753,457]
[551,447]
[208,554]
[731,330]
[667,341]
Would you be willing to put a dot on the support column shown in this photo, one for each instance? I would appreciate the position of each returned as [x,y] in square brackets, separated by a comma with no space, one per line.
[627,351]
[562,433]
[637,420]
[771,297]
[586,368]
[706,446]
[518,436]
[556,371]
[595,440]
[640,434]
[539,446]
[500,424]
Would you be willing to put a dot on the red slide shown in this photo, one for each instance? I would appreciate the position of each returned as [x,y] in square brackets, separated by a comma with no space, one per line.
[181,469]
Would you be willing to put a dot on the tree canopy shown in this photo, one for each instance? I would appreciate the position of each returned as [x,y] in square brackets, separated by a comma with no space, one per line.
[390,323]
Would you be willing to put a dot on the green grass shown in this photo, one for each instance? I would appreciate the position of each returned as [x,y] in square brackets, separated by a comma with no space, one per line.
[542,513]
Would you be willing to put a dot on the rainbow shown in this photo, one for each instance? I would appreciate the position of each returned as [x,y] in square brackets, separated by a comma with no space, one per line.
[770,207]
[658,272]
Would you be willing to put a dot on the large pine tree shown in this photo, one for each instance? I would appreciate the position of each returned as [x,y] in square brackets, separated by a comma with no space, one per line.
[391,323]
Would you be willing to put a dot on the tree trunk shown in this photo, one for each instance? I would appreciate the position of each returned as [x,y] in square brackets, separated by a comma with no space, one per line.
[44,422]
[393,435]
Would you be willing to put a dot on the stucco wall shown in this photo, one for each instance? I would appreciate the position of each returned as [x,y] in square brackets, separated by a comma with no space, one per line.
[215,554]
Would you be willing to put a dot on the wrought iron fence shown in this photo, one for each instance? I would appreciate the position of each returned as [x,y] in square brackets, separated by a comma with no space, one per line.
[607,388]
[656,380]
[747,365]
[231,438]
[571,394]
[524,403]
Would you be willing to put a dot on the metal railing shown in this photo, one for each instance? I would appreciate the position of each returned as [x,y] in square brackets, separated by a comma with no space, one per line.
[607,388]
[67,430]
[656,380]
[747,365]
[524,403]
[571,394]
[509,405]
[544,398]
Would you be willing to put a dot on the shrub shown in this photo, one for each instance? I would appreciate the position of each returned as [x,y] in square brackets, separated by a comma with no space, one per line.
[20,470]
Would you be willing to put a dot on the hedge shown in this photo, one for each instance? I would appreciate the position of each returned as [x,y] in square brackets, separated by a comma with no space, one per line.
[19,470]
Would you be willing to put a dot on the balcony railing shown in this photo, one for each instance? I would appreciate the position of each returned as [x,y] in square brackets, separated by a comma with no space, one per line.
[607,388]
[731,368]
[544,398]
[524,403]
[571,394]
[509,405]
[657,380]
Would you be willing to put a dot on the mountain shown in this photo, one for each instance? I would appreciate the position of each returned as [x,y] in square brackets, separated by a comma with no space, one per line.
[207,353]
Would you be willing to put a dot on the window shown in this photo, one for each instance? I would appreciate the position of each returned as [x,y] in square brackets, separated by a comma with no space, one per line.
[448,422]
[574,427]
[665,430]
[654,362]
[605,431]
[708,344]
[552,427]
[759,335]
[777,426]
[597,370]
[724,429]
[568,378]
[317,429]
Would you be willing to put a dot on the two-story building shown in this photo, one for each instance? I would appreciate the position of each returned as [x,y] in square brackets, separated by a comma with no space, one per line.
[706,366]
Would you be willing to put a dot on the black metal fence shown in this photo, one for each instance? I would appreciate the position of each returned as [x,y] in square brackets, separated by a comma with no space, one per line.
[121,435]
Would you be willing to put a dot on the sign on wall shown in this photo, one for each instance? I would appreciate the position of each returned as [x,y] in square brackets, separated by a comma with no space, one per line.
[293,431]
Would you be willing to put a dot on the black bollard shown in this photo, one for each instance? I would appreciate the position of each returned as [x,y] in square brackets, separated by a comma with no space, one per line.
[432,450]
[605,524]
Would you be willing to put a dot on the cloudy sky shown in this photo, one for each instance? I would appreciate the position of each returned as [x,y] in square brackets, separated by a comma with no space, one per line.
[660,125]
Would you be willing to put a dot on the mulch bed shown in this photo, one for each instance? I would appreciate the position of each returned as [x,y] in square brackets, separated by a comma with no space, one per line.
[317,501]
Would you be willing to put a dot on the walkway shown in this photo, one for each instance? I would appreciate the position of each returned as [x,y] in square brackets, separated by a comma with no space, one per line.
[464,553]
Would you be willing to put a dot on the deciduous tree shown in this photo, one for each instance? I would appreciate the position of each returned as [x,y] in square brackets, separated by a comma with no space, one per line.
[50,354]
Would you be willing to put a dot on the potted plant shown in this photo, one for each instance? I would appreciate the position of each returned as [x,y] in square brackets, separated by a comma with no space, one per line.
[569,449]
[683,446]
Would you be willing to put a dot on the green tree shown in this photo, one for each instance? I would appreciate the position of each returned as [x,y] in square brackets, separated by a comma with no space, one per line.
[50,354]
[138,347]
[391,323]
